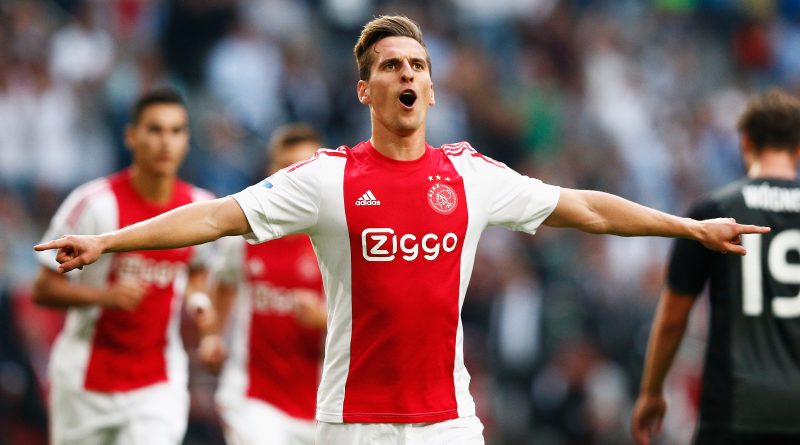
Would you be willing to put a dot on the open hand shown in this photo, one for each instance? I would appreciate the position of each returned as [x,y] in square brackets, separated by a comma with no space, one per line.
[124,295]
[212,352]
[725,235]
[74,251]
[309,309]
[648,415]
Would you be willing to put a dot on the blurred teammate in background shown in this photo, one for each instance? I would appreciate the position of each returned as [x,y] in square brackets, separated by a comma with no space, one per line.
[751,380]
[118,371]
[395,224]
[268,387]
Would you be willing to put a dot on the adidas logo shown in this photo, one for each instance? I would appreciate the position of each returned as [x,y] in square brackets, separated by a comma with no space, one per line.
[368,199]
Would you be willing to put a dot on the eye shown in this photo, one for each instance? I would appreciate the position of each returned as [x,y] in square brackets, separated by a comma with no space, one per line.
[391,65]
[418,66]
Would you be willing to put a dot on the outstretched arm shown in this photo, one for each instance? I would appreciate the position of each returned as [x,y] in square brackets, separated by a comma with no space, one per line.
[598,212]
[665,337]
[192,224]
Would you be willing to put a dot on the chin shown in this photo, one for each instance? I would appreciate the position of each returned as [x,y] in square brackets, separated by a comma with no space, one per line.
[165,172]
[407,127]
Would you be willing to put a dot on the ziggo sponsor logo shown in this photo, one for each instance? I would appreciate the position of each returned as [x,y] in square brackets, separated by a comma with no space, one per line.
[382,244]
[271,299]
[146,270]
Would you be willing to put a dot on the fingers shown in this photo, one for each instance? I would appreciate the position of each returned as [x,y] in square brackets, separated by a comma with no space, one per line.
[74,263]
[55,244]
[127,294]
[744,228]
[64,255]
[734,248]
[132,289]
[212,352]
[641,434]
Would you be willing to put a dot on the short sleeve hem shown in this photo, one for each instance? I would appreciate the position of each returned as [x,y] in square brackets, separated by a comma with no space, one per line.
[550,196]
[261,228]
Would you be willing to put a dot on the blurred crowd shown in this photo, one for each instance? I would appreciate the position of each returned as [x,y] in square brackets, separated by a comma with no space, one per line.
[637,98]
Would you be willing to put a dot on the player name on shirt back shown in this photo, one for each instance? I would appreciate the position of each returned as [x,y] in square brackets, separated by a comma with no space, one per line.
[775,199]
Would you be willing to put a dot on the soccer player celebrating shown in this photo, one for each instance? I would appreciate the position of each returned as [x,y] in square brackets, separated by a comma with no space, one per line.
[118,370]
[395,224]
[268,386]
[751,380]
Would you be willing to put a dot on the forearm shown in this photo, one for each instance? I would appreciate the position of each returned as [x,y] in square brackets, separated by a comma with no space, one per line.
[222,298]
[54,290]
[198,303]
[618,216]
[665,338]
[192,224]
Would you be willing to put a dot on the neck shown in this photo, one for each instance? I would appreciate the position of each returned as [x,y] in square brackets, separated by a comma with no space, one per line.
[397,147]
[779,164]
[154,188]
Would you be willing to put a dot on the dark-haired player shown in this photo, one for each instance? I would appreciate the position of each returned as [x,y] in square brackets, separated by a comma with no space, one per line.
[395,223]
[751,380]
[118,371]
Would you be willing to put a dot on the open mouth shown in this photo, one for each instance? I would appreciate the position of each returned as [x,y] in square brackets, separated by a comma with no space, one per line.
[408,97]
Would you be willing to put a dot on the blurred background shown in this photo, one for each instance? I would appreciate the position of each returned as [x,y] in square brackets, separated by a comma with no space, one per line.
[633,97]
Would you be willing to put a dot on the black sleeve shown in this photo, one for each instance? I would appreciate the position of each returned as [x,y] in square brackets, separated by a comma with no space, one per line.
[690,262]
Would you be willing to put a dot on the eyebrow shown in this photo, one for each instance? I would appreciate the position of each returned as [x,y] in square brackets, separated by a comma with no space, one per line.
[399,59]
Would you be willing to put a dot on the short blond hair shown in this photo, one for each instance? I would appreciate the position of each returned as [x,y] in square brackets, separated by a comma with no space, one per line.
[378,29]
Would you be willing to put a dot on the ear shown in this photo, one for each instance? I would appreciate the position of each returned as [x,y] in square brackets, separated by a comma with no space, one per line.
[747,143]
[432,100]
[129,130]
[748,151]
[363,92]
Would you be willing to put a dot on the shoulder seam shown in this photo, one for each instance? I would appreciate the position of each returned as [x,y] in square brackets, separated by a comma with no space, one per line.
[460,148]
[339,153]
[92,189]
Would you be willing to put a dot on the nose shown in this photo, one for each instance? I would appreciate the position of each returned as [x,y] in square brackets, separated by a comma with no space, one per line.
[407,73]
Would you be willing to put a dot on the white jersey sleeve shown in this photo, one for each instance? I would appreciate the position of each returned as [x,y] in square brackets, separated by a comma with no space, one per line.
[75,216]
[202,254]
[227,268]
[521,203]
[509,199]
[286,202]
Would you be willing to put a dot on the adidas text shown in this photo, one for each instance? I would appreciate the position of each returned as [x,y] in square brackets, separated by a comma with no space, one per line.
[368,199]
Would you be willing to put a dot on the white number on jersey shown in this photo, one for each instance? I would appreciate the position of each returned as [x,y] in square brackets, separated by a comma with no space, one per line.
[777,267]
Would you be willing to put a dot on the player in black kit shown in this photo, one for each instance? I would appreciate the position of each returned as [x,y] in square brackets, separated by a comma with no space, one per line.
[751,380]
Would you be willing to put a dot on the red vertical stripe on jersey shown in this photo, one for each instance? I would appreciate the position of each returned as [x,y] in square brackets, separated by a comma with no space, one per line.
[128,348]
[283,357]
[404,310]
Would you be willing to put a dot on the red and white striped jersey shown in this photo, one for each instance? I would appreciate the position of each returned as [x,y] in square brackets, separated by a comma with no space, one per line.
[111,350]
[273,357]
[396,243]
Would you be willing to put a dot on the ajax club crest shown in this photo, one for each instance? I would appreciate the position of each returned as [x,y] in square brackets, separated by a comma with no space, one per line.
[442,198]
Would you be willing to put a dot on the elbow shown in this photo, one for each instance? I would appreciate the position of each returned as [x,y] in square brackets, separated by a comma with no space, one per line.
[597,226]
[40,293]
[43,290]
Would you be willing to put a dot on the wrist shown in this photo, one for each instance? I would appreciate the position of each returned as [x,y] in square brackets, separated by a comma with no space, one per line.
[694,229]
[651,392]
[105,242]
